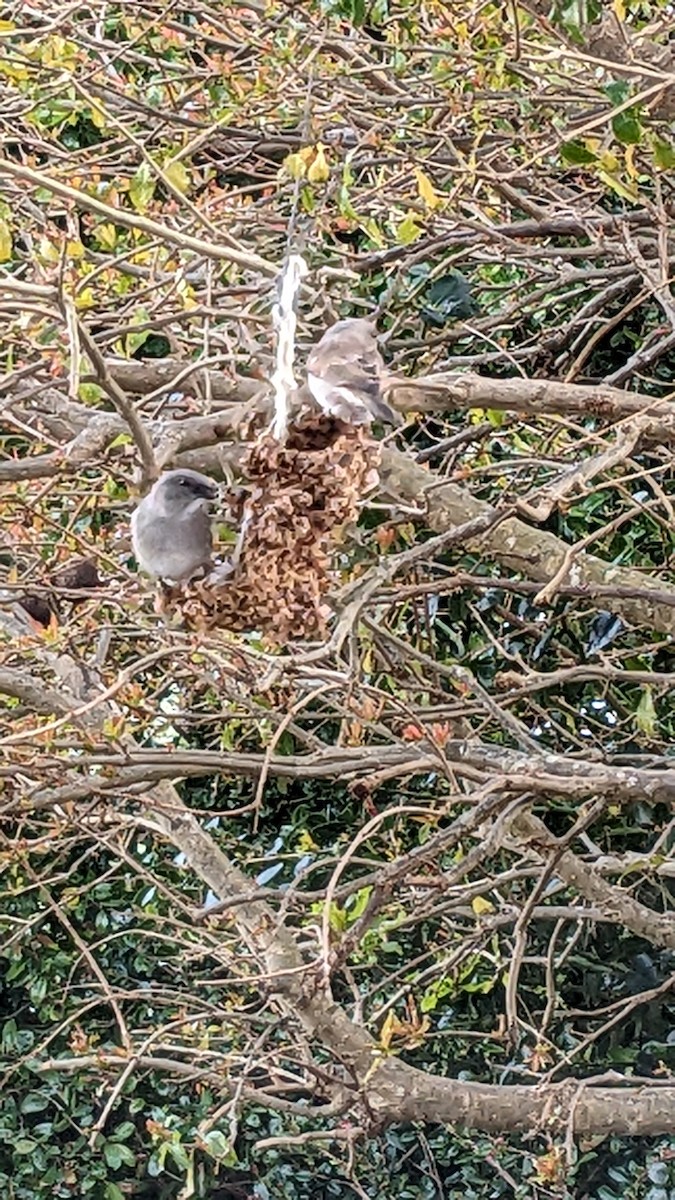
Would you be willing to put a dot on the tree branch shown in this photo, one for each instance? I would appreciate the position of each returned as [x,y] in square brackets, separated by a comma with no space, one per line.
[533,552]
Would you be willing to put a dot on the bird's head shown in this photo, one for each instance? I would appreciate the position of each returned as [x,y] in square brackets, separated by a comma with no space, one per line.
[177,490]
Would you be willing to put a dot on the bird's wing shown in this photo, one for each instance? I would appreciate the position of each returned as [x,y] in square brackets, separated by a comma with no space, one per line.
[347,356]
[171,547]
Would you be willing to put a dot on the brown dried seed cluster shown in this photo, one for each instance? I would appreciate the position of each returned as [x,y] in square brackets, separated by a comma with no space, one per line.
[302,494]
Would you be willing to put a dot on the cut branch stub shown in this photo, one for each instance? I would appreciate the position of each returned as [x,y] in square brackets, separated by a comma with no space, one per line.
[303,493]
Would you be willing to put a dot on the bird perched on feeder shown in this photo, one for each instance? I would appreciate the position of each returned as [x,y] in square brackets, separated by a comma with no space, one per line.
[171,528]
[345,374]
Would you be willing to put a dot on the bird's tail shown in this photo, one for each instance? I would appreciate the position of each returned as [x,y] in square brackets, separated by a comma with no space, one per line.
[384,412]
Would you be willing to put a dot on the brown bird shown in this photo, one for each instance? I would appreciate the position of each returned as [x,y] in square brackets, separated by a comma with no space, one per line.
[79,574]
[345,373]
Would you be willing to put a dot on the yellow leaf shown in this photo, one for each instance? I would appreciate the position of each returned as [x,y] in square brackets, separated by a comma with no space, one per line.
[645,714]
[370,226]
[74,249]
[338,918]
[187,294]
[408,230]
[305,843]
[178,175]
[51,632]
[85,298]
[391,1027]
[57,51]
[629,156]
[107,235]
[608,161]
[295,165]
[113,727]
[97,115]
[91,393]
[625,191]
[481,906]
[496,417]
[5,241]
[426,190]
[619,9]
[47,250]
[14,71]
[319,170]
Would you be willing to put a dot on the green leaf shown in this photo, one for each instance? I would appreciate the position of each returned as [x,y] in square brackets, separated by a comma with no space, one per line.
[123,1131]
[436,991]
[106,235]
[97,115]
[577,154]
[618,90]
[134,340]
[24,1145]
[219,1146]
[356,904]
[112,1155]
[157,1160]
[122,439]
[117,1155]
[448,299]
[627,128]
[90,393]
[307,199]
[345,205]
[142,187]
[664,155]
[112,1192]
[179,1155]
[38,990]
[34,1102]
[354,10]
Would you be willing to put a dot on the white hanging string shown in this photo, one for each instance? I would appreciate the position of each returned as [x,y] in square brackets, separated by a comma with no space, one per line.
[284,320]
